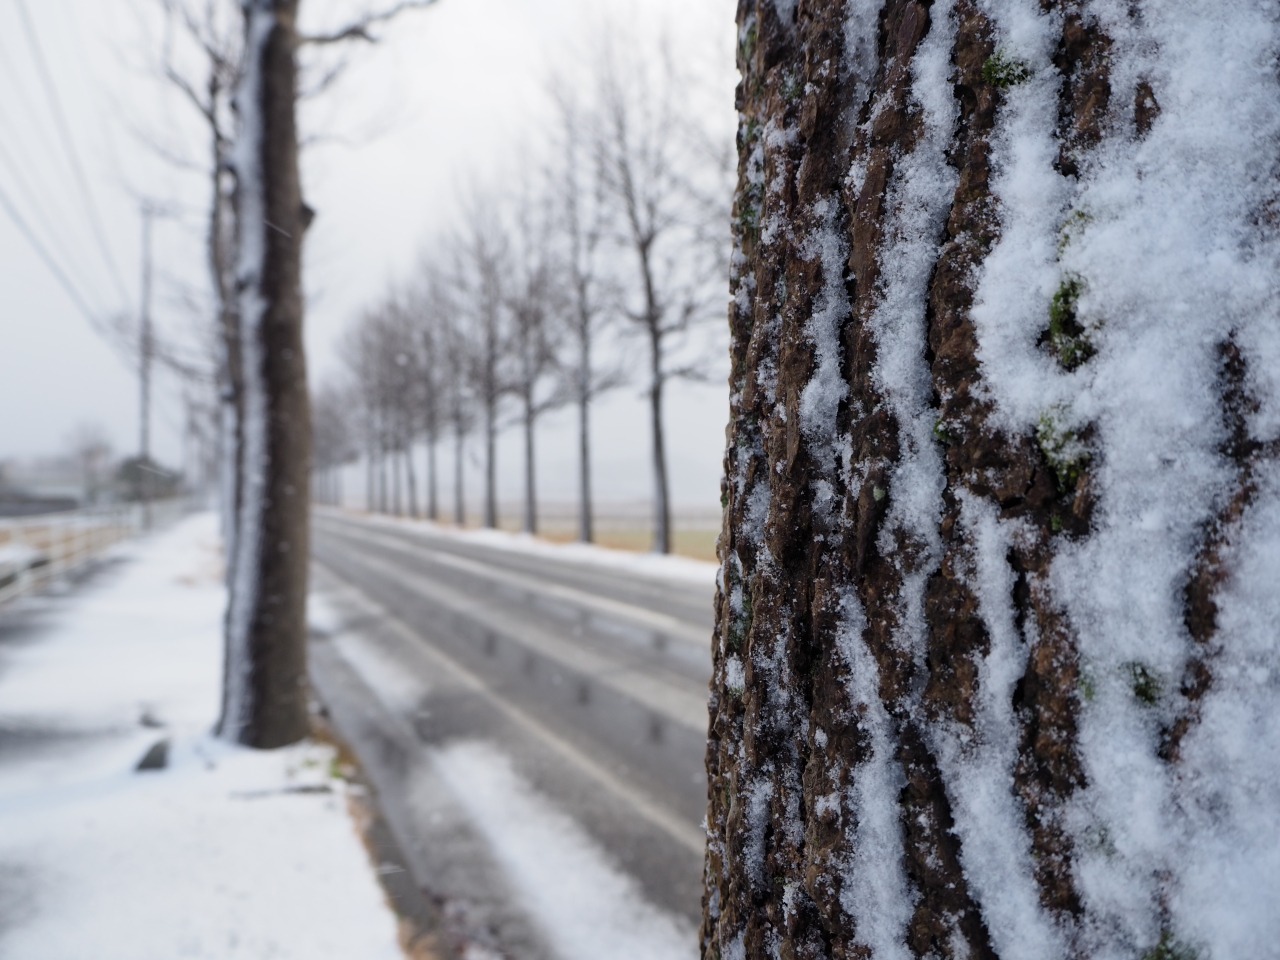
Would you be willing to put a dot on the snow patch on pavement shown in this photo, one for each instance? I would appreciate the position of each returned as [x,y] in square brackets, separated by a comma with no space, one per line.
[587,906]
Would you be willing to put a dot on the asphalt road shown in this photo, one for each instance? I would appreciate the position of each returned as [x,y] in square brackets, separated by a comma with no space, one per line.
[592,679]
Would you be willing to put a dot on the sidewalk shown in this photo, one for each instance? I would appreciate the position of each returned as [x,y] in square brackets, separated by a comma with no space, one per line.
[224,853]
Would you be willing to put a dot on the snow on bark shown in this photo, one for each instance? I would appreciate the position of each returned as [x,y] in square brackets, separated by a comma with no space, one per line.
[1174,265]
[876,892]
[1158,246]
[1006,433]
[251,214]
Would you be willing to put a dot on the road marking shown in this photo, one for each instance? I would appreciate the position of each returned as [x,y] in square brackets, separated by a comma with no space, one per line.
[627,679]
[663,622]
[691,838]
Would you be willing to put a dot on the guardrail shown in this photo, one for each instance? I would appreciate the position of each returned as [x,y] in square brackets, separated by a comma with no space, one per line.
[36,551]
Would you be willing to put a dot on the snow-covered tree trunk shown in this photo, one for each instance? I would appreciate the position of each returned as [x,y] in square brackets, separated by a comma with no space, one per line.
[996,654]
[266,697]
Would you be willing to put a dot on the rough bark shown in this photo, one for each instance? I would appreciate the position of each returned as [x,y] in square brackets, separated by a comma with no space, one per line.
[267,697]
[810,698]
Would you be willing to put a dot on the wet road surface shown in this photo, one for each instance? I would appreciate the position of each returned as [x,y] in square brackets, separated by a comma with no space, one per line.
[592,680]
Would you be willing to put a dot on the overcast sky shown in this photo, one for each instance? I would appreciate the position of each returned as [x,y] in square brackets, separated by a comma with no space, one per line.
[452,96]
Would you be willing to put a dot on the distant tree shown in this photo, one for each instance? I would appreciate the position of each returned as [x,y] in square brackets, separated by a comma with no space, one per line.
[212,29]
[643,136]
[534,298]
[335,441]
[587,312]
[429,306]
[459,400]
[402,381]
[482,263]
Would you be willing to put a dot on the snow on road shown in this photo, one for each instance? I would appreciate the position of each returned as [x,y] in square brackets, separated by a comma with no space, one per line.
[226,853]
[587,907]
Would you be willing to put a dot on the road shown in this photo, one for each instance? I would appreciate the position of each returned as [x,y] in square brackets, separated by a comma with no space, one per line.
[592,681]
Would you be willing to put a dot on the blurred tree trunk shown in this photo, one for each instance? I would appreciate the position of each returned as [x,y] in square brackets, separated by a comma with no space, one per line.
[266,702]
[459,455]
[863,464]
[433,502]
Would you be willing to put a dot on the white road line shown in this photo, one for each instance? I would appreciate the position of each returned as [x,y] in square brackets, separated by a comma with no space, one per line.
[692,838]
[678,706]
[662,622]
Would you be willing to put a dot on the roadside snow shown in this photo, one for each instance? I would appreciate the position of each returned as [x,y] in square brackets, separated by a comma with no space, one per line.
[658,566]
[225,853]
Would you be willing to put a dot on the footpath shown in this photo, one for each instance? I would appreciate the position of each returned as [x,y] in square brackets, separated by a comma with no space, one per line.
[221,852]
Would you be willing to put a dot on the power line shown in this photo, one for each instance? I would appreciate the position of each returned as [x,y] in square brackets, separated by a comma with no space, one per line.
[55,237]
[61,275]
[26,167]
[68,145]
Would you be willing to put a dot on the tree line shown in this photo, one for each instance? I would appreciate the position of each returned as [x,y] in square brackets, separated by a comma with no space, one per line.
[545,295]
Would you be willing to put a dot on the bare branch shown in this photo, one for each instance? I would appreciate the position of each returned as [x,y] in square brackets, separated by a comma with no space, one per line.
[359,30]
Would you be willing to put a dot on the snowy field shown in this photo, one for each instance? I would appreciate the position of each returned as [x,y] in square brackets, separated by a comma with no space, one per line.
[225,853]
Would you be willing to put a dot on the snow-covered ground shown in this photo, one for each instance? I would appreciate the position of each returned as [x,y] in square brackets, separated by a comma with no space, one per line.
[224,853]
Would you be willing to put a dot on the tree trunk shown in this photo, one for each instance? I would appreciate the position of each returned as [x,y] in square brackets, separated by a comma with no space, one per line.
[530,480]
[661,495]
[459,493]
[981,641]
[433,502]
[266,702]
[397,463]
[384,495]
[585,532]
[412,481]
[491,464]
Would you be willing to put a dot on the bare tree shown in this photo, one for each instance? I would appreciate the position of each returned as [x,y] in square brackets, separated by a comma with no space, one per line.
[642,138]
[459,399]
[534,298]
[578,193]
[429,307]
[265,702]
[212,29]
[402,383]
[481,269]
[335,443]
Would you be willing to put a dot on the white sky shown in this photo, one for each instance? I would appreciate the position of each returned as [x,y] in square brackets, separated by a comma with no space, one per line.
[452,96]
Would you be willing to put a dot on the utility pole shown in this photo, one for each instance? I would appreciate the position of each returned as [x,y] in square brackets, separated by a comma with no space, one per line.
[145,350]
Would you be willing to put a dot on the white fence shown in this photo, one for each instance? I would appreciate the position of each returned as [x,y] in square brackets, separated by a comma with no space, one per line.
[36,551]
